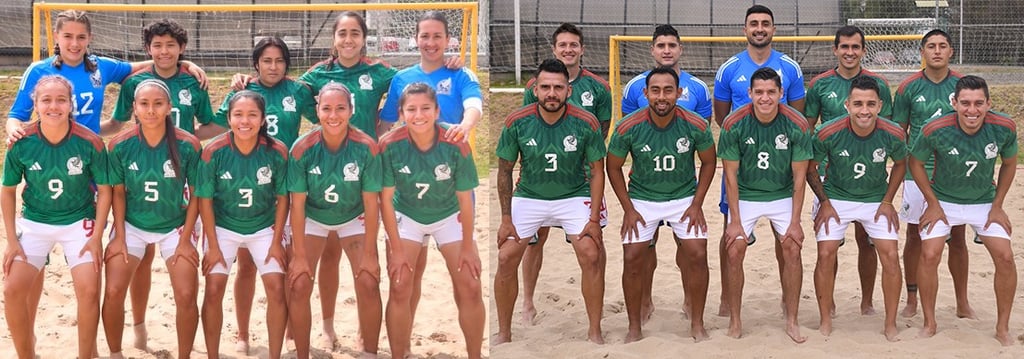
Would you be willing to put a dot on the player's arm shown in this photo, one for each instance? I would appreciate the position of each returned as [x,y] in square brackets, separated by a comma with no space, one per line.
[398,265]
[468,257]
[103,201]
[617,179]
[997,214]
[814,181]
[299,263]
[118,245]
[8,201]
[212,255]
[593,227]
[795,231]
[721,109]
[733,229]
[933,213]
[798,105]
[186,248]
[370,261]
[506,229]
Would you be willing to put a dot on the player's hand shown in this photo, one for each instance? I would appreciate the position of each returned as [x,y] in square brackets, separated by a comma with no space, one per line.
[931,216]
[94,247]
[733,234]
[14,134]
[116,247]
[998,216]
[506,232]
[698,223]
[277,252]
[369,265]
[198,73]
[470,260]
[794,233]
[459,132]
[299,268]
[825,213]
[889,212]
[398,266]
[630,231]
[211,258]
[593,231]
[454,63]
[187,251]
[240,81]
[13,251]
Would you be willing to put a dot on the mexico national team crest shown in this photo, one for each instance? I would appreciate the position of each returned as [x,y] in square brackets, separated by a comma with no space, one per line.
[264,175]
[288,103]
[169,169]
[445,87]
[781,142]
[587,99]
[96,78]
[685,97]
[351,172]
[991,150]
[569,143]
[184,98]
[878,155]
[442,172]
[682,145]
[74,166]
[365,82]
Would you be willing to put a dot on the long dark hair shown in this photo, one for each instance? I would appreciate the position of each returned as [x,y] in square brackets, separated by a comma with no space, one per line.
[271,41]
[334,32]
[262,105]
[73,16]
[170,131]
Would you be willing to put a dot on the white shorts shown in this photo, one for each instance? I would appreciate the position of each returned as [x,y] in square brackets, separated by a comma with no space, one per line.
[258,244]
[445,231]
[137,240]
[604,216]
[528,214]
[974,215]
[38,239]
[669,212]
[913,203]
[353,227]
[778,213]
[850,212]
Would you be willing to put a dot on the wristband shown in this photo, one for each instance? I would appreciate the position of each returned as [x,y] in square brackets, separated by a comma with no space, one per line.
[594,220]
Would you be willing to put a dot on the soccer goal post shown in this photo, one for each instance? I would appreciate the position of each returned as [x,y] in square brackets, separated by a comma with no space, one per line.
[222,36]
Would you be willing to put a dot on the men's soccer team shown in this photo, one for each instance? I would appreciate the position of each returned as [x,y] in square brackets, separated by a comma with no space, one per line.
[938,137]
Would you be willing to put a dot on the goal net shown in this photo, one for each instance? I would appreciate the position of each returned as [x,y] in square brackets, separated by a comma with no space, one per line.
[631,55]
[222,36]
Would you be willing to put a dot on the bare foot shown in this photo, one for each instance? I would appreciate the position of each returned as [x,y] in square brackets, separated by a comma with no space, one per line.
[735,330]
[289,345]
[501,339]
[867,309]
[328,341]
[966,312]
[723,310]
[365,355]
[910,310]
[529,314]
[632,337]
[117,355]
[891,333]
[1004,339]
[825,327]
[242,346]
[926,332]
[596,338]
[686,310]
[793,331]
[699,334]
[141,336]
[646,312]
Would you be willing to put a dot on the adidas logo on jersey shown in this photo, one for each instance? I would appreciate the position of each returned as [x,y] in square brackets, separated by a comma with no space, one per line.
[405,170]
[531,142]
[845,153]
[315,170]
[833,95]
[134,166]
[646,149]
[35,167]
[750,141]
[920,99]
[226,176]
[742,79]
[954,152]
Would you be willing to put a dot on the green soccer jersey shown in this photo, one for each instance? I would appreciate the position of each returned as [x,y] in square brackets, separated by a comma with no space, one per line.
[58,177]
[287,102]
[155,195]
[856,168]
[919,100]
[244,188]
[827,93]
[554,158]
[188,99]
[765,151]
[663,166]
[425,182]
[334,181]
[965,164]
[589,92]
[368,81]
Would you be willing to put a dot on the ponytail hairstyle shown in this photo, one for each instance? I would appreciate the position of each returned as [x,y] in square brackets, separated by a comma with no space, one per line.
[262,105]
[73,16]
[60,80]
[334,32]
[170,132]
[336,86]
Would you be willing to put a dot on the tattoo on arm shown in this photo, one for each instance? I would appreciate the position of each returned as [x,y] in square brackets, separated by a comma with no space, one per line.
[505,185]
[814,181]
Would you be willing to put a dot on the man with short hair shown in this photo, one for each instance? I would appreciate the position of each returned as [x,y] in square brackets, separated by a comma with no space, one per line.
[666,51]
[556,142]
[966,145]
[589,92]
[826,99]
[764,148]
[923,96]
[663,140]
[858,189]
[732,83]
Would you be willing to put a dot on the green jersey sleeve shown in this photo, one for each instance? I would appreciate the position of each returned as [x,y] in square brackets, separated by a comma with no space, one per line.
[812,105]
[595,146]
[508,145]
[802,147]
[465,173]
[221,117]
[620,143]
[387,178]
[125,97]
[728,148]
[204,111]
[372,175]
[13,169]
[296,176]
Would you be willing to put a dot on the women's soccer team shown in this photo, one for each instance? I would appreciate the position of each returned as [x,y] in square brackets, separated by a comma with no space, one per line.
[260,193]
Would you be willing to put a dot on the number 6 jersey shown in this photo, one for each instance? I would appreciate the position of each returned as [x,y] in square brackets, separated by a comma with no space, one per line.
[334,181]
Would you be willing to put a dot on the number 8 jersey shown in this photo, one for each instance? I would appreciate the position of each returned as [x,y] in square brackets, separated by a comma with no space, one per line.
[765,151]
[58,177]
[244,188]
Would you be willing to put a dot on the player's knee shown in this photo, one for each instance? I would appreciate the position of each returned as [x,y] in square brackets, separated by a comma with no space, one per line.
[736,252]
[401,292]
[87,295]
[826,254]
[509,259]
[301,289]
[931,257]
[590,257]
[467,289]
[215,288]
[366,284]
[185,296]
[1004,260]
[274,287]
[632,259]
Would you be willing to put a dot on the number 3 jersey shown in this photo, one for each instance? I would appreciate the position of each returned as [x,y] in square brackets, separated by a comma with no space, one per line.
[155,192]
[244,187]
[555,157]
[856,169]
[58,177]
[426,181]
[663,166]
[765,151]
[334,181]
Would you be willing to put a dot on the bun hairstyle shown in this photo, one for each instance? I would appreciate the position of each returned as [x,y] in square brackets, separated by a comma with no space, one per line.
[72,16]
[170,132]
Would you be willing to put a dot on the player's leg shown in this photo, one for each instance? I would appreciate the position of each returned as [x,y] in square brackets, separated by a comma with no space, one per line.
[958,261]
[591,259]
[417,285]
[913,205]
[299,291]
[119,272]
[692,259]
[888,254]
[867,269]
[327,281]
[20,282]
[466,286]
[212,309]
[1005,283]
[368,301]
[651,264]
[245,290]
[527,217]
[87,282]
[779,212]
[824,277]
[927,275]
[140,288]
[634,264]
[184,276]
[398,315]
[533,259]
